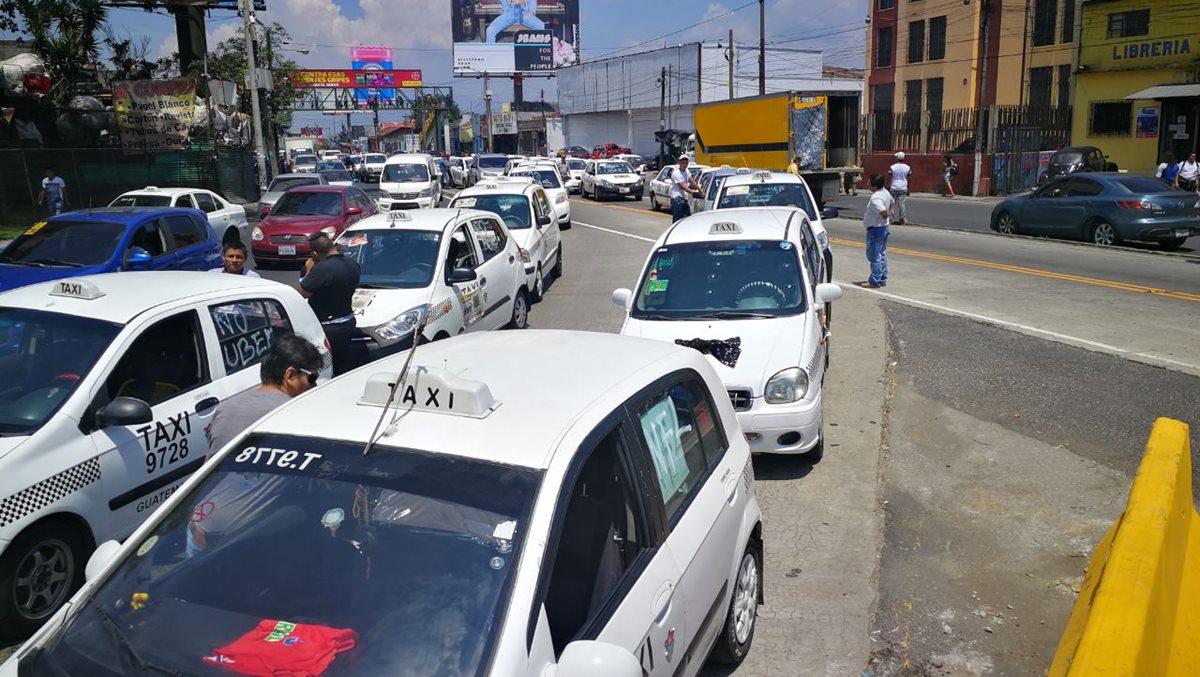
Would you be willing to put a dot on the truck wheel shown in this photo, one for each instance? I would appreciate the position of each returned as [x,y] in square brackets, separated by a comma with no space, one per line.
[39,572]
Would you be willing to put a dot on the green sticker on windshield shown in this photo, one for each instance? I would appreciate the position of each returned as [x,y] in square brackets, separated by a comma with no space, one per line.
[655,286]
[666,263]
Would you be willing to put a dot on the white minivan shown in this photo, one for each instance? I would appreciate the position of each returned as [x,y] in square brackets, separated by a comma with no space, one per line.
[745,287]
[409,181]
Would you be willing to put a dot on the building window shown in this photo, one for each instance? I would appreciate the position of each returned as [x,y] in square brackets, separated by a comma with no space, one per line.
[1064,86]
[933,95]
[1129,24]
[884,45]
[1040,86]
[1110,118]
[937,38]
[916,41]
[1044,14]
[912,97]
[881,98]
[885,4]
[1067,32]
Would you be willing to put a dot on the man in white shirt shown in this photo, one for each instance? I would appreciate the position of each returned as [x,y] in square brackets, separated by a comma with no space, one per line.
[876,219]
[899,174]
[54,192]
[1189,171]
[682,184]
[233,258]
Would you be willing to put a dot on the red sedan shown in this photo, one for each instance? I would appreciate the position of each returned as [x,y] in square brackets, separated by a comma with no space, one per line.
[303,212]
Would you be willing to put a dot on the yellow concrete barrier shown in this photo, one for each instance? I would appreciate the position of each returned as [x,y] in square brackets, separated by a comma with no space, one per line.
[1138,612]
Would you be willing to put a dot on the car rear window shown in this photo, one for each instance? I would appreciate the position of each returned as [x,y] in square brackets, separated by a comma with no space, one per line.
[1143,184]
[1065,156]
[142,201]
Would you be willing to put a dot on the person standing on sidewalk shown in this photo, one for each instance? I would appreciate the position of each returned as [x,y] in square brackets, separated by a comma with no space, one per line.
[329,287]
[682,185]
[876,219]
[1189,171]
[949,171]
[54,192]
[899,187]
[1168,169]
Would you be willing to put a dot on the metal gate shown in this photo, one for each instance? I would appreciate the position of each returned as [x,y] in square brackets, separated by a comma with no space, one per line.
[1015,162]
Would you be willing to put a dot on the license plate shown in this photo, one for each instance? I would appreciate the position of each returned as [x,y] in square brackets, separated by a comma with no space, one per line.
[1183,232]
[287,250]
[624,190]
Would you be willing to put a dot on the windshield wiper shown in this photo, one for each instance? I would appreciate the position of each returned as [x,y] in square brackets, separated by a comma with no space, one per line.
[134,656]
[731,315]
[56,262]
[371,285]
[651,316]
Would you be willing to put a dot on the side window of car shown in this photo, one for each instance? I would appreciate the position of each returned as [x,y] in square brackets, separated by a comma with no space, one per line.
[185,201]
[1083,188]
[206,203]
[812,255]
[1057,189]
[490,235]
[149,236]
[603,534]
[681,432]
[543,204]
[165,361]
[245,330]
[665,174]
[461,253]
[184,231]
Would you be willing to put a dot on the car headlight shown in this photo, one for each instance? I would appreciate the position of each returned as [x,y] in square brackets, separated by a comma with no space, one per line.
[604,182]
[403,324]
[787,386]
[428,192]
[562,197]
[257,234]
[524,255]
[823,239]
[331,231]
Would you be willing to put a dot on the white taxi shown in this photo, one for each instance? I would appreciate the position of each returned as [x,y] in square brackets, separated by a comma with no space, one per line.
[530,217]
[743,286]
[548,175]
[448,271]
[409,181]
[227,220]
[618,535]
[575,169]
[659,187]
[106,385]
[611,178]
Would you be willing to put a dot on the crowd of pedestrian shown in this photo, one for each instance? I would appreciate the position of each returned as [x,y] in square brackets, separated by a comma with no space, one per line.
[1183,175]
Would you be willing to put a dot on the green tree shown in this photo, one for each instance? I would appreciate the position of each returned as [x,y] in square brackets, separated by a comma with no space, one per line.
[65,33]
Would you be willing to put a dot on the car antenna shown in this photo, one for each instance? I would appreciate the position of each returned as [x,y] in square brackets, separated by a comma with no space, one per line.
[400,378]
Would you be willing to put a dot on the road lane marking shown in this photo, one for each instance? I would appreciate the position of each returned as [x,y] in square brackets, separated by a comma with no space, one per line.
[615,232]
[594,203]
[1037,272]
[1104,347]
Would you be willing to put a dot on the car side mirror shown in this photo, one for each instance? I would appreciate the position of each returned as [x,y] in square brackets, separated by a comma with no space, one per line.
[124,411]
[591,658]
[622,297]
[544,220]
[827,292]
[354,211]
[459,275]
[101,557]
[829,213]
[138,259]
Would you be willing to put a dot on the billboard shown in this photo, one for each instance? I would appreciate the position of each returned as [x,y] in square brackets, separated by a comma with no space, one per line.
[514,36]
[154,114]
[311,79]
[372,59]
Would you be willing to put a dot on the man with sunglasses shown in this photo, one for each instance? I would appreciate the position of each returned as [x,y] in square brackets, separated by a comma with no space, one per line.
[289,368]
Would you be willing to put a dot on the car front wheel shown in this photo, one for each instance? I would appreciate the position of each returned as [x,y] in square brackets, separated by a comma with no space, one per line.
[39,572]
[742,616]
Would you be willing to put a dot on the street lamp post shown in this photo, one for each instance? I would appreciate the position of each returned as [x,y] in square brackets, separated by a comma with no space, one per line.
[247,9]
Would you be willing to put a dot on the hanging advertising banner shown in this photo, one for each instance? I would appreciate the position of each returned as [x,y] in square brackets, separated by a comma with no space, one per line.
[372,59]
[503,37]
[154,115]
[315,79]
[1147,123]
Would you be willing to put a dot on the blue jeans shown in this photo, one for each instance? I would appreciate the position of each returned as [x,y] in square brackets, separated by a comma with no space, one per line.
[512,16]
[679,209]
[877,238]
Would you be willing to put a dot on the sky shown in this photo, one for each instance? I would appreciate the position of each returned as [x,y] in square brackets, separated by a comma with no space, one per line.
[419,32]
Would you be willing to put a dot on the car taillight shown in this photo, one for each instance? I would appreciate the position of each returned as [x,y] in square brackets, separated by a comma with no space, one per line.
[1138,205]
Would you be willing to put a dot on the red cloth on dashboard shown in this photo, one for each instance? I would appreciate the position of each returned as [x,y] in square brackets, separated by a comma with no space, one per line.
[284,649]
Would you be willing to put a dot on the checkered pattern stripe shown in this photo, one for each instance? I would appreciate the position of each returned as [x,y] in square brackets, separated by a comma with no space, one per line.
[437,310]
[48,491]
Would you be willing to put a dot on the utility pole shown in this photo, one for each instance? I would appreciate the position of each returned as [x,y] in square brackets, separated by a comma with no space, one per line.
[247,9]
[487,97]
[762,47]
[986,7]
[729,58]
[662,113]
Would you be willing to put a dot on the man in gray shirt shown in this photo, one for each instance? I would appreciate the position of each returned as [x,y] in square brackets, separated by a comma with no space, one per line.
[289,368]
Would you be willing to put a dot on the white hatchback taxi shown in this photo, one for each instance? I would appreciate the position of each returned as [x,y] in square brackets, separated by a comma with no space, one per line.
[530,217]
[744,287]
[106,385]
[547,174]
[409,181]
[618,535]
[456,271]
[227,220]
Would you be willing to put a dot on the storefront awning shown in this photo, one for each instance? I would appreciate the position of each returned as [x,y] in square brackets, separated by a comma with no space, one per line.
[1166,92]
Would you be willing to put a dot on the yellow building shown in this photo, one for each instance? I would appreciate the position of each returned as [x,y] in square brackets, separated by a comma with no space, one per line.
[1136,92]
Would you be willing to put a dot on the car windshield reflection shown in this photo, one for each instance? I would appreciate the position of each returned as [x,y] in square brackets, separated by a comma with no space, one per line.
[400,259]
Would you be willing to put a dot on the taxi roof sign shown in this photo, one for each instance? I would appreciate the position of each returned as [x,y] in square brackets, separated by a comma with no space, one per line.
[76,289]
[762,176]
[431,389]
[724,228]
[399,215]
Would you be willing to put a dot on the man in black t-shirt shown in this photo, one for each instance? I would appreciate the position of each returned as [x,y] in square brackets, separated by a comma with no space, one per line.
[329,288]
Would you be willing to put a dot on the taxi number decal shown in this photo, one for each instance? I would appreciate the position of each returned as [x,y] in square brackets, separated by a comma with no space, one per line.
[277,457]
[170,445]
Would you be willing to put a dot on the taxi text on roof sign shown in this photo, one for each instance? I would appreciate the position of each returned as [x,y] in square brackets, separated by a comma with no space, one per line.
[724,228]
[431,389]
[77,289]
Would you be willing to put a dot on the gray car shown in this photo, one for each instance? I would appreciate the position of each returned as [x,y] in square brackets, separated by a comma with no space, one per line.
[284,182]
[1105,208]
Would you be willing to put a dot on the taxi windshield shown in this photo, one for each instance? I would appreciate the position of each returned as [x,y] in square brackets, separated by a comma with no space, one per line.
[721,280]
[43,357]
[405,173]
[391,258]
[308,203]
[514,209]
[64,243]
[354,565]
[547,177]
[768,195]
[613,168]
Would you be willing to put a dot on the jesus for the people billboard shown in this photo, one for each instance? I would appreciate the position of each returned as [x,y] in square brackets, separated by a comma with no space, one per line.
[502,37]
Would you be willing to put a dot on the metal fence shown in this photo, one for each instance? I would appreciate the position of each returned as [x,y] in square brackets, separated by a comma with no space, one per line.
[94,176]
[954,130]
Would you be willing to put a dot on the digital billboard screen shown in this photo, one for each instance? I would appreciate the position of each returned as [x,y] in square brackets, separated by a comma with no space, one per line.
[514,36]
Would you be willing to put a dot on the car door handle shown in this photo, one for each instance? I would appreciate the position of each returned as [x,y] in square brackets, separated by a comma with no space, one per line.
[206,404]
[662,602]
[483,282]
